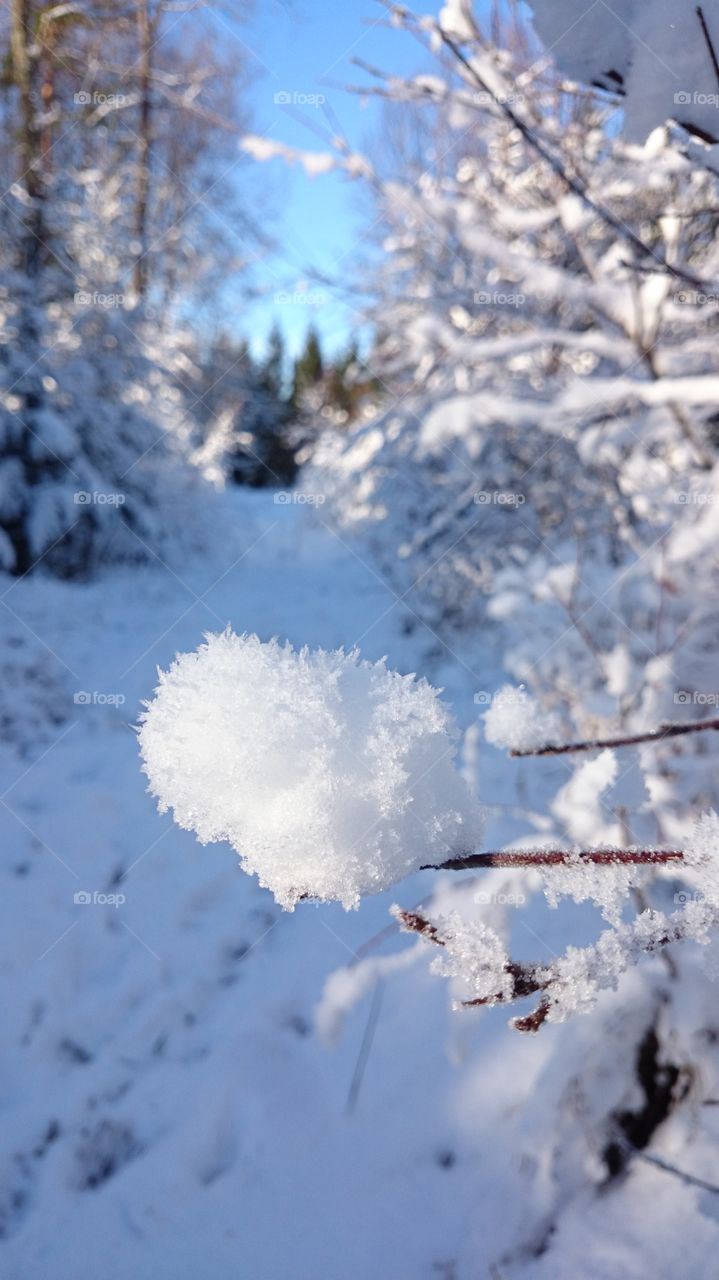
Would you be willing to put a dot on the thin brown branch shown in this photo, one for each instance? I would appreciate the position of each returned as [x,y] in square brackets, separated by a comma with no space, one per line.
[556,858]
[526,980]
[415,923]
[628,740]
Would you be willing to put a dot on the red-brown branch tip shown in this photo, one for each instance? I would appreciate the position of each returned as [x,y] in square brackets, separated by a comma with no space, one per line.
[667,730]
[532,1021]
[412,922]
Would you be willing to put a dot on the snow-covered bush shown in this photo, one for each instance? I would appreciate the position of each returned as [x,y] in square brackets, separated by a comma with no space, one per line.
[100,253]
[332,777]
[544,470]
[95,436]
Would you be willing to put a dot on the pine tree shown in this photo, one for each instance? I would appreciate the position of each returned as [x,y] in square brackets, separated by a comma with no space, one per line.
[247,428]
[272,367]
[308,369]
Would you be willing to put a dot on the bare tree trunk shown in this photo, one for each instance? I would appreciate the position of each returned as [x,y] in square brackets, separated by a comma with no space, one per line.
[31,177]
[145,38]
[47,96]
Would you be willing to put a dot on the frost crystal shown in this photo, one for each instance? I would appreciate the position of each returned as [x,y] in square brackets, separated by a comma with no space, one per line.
[475,954]
[701,857]
[584,881]
[579,976]
[331,776]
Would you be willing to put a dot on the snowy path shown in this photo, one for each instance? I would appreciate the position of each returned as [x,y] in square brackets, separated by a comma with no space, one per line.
[168,1110]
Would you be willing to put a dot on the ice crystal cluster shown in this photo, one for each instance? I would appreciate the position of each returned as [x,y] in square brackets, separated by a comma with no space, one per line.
[331,776]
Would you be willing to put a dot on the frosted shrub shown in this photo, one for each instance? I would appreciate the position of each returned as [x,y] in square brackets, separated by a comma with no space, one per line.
[331,776]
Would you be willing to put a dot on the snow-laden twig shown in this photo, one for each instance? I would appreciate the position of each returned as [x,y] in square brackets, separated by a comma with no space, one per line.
[570,984]
[669,730]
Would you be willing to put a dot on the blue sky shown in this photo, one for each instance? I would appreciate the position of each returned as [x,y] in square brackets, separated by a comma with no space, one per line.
[305,47]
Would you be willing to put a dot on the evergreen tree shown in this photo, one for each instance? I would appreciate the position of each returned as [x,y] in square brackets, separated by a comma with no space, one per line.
[309,368]
[349,385]
[247,436]
[273,365]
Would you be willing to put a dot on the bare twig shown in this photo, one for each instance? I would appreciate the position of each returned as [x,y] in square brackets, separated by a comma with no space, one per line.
[629,740]
[556,858]
[415,923]
[689,1178]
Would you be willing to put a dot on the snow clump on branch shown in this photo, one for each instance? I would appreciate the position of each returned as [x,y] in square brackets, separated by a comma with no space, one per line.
[331,776]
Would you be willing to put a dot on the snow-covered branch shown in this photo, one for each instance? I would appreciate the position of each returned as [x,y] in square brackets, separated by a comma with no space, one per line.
[665,731]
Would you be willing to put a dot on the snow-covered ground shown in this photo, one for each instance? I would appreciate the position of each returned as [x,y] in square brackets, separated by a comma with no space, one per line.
[169,1108]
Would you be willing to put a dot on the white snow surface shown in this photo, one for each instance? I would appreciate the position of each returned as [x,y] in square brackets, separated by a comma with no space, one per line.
[170,1110]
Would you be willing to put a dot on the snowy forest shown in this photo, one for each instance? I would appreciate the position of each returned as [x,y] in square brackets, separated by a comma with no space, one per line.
[359,542]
